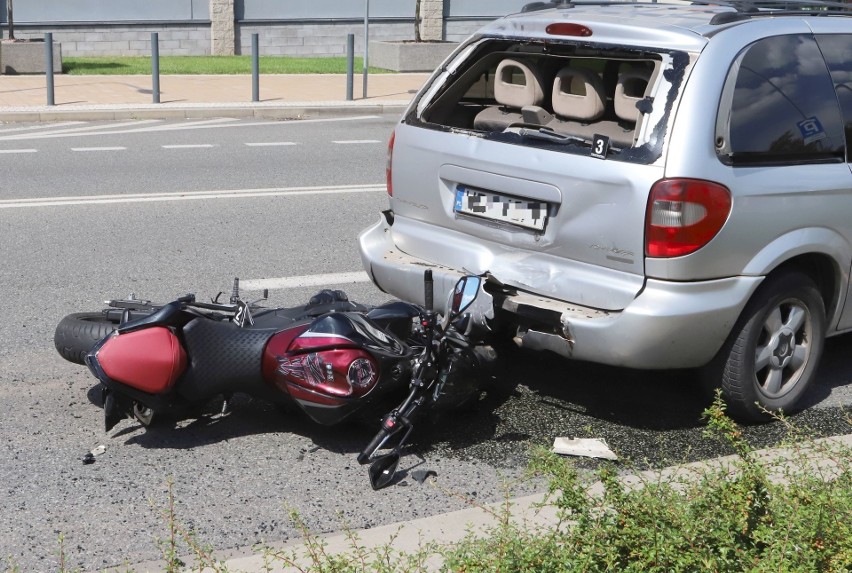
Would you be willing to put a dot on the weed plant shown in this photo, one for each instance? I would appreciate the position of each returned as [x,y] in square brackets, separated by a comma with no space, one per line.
[783,513]
[784,510]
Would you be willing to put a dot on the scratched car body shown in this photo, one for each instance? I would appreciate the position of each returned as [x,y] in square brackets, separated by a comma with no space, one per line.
[647,185]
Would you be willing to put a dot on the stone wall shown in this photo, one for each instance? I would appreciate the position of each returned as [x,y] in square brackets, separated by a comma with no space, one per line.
[314,40]
[458,30]
[432,20]
[222,28]
[125,40]
[289,39]
[222,34]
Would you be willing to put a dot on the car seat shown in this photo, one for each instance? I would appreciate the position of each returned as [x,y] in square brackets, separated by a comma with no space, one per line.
[511,96]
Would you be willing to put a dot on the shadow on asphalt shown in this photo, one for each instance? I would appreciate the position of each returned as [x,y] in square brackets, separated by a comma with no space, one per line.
[648,417]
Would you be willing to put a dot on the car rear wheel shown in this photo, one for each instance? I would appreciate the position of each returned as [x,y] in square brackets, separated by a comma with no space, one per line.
[773,352]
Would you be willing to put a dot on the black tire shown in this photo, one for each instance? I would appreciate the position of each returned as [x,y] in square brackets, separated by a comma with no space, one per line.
[773,351]
[78,333]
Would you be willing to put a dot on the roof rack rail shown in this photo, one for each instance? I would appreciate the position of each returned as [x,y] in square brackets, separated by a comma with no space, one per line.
[756,8]
[741,6]
[535,6]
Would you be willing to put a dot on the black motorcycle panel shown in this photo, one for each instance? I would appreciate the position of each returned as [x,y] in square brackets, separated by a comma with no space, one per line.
[395,317]
[361,331]
[223,358]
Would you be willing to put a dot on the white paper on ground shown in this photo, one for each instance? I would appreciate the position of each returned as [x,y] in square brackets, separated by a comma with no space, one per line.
[584,447]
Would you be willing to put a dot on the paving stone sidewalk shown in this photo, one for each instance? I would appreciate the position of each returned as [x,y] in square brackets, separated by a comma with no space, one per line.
[24,98]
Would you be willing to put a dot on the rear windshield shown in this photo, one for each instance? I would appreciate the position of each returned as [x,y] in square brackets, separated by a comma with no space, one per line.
[573,98]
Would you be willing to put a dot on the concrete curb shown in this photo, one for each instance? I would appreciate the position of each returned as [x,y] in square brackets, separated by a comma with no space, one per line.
[290,110]
[452,527]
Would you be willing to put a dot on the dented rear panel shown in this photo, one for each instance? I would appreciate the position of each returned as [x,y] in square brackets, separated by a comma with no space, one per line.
[533,161]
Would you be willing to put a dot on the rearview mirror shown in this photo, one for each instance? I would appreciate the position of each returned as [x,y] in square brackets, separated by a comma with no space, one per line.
[464,294]
[382,470]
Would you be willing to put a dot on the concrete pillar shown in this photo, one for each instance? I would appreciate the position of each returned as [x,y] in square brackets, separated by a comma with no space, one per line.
[222,37]
[432,20]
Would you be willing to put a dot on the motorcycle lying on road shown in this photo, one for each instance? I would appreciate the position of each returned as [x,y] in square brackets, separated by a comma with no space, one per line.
[331,358]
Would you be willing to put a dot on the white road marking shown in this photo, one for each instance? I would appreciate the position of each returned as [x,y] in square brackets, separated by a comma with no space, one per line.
[109,129]
[356,141]
[271,143]
[98,149]
[305,281]
[284,122]
[48,126]
[79,131]
[190,146]
[10,151]
[188,196]
[193,124]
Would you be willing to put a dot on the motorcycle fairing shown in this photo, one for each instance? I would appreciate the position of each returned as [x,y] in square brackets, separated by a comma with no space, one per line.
[335,364]
[150,360]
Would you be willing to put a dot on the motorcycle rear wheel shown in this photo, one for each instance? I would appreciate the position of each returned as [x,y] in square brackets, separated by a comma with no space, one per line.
[77,334]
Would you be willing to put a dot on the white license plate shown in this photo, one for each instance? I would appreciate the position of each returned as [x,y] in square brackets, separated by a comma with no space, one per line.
[488,205]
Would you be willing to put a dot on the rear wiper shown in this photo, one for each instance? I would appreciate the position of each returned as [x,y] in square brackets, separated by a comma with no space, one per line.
[548,134]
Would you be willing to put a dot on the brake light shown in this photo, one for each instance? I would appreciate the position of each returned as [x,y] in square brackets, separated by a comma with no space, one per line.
[683,215]
[568,29]
[389,167]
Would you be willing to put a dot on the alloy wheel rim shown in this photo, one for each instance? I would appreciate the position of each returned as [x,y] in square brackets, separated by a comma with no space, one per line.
[783,349]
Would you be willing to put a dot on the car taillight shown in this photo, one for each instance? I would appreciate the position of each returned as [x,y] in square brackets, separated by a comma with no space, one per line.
[389,167]
[683,215]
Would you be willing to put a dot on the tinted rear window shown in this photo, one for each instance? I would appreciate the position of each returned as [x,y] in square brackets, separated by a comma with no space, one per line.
[783,106]
[837,49]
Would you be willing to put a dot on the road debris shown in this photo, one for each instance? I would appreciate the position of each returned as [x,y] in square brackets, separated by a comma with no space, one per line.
[583,447]
[421,476]
[89,458]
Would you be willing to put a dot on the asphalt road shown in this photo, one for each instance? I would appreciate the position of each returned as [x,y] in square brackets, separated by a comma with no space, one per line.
[92,211]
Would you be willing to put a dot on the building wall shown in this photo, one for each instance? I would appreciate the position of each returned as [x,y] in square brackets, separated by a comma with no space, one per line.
[316,39]
[108,11]
[482,8]
[124,40]
[322,9]
[285,27]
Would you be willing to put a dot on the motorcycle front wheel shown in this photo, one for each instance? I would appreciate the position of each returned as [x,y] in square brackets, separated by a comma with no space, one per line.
[77,334]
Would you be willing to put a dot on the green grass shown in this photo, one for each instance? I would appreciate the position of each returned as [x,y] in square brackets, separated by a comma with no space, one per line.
[141,65]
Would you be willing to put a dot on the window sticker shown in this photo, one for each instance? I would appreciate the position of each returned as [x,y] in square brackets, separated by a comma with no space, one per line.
[811,130]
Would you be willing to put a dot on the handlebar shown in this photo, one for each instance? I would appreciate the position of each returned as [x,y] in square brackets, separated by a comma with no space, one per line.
[374,445]
[429,287]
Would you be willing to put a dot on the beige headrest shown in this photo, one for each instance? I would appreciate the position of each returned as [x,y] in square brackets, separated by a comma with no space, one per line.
[630,89]
[510,92]
[578,94]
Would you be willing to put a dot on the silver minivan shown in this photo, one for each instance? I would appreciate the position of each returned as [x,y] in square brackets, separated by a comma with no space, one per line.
[649,185]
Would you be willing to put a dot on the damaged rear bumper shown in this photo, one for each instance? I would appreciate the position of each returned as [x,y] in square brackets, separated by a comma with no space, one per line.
[667,325]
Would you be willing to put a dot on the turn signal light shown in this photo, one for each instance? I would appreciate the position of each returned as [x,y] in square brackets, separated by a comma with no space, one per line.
[568,29]
[683,215]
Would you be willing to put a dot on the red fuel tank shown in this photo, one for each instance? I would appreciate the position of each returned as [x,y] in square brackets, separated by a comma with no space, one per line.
[324,369]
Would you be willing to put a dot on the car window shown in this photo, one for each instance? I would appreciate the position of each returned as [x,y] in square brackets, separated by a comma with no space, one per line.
[782,106]
[837,50]
[565,97]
